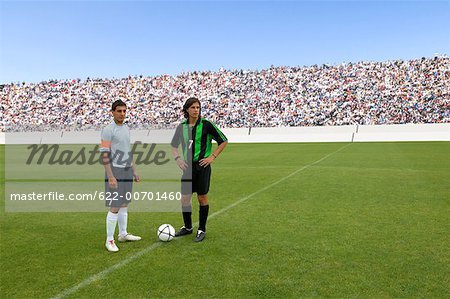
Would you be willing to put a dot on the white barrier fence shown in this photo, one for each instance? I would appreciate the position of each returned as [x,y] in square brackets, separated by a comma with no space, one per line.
[353,133]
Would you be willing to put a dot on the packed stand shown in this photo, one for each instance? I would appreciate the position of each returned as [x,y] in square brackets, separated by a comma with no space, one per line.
[366,93]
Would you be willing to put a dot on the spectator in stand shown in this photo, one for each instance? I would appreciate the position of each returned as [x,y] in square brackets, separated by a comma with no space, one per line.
[367,93]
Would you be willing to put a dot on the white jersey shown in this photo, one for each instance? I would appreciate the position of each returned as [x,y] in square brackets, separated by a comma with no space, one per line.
[116,140]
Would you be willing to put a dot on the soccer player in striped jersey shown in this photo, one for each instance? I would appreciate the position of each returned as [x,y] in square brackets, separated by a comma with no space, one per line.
[195,135]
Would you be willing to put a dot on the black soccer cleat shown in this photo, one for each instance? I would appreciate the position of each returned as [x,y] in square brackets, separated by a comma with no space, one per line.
[200,236]
[183,232]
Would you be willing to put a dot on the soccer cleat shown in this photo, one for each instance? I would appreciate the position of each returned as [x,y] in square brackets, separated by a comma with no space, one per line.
[128,237]
[183,232]
[111,246]
[200,236]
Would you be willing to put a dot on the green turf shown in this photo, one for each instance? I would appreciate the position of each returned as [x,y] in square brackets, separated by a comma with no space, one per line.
[371,220]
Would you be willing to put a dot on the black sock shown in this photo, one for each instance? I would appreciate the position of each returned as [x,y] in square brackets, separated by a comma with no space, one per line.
[203,216]
[187,220]
[187,216]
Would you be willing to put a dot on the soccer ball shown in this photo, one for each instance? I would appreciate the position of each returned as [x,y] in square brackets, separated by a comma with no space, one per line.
[165,232]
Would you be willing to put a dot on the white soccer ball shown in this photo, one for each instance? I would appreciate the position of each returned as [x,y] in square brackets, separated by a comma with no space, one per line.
[165,232]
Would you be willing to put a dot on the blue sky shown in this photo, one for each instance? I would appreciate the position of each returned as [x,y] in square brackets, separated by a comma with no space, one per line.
[42,40]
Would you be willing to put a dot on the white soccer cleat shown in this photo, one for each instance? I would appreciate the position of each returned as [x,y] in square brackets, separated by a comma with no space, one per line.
[128,237]
[111,246]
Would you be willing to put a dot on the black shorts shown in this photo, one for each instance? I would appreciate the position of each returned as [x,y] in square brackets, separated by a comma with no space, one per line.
[196,179]
[118,196]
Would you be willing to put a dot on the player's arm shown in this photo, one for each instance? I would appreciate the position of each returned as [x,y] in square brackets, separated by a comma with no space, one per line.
[175,143]
[219,149]
[136,177]
[107,164]
[180,162]
[220,138]
[208,160]
[105,151]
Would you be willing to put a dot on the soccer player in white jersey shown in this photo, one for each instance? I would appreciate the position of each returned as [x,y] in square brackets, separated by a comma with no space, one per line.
[119,174]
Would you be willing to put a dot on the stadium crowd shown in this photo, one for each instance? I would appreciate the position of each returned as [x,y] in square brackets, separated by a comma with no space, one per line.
[393,92]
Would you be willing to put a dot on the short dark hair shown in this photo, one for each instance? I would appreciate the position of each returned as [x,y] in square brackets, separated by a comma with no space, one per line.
[189,102]
[117,103]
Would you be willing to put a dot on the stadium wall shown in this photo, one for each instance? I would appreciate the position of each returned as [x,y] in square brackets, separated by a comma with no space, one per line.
[352,133]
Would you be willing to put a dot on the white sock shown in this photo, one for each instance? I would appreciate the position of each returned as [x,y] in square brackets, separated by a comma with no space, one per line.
[111,222]
[123,220]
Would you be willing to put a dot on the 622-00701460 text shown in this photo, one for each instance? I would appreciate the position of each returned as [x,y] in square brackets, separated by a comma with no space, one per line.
[59,196]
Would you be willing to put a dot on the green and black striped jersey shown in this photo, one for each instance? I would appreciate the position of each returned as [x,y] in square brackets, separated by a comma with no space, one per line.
[196,141]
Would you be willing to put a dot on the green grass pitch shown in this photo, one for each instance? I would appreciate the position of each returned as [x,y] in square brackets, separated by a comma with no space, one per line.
[370,220]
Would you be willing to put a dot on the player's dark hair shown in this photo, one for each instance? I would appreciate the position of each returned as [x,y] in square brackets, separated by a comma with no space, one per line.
[189,102]
[117,104]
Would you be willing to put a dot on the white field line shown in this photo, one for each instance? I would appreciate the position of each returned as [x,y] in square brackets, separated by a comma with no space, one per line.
[104,273]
